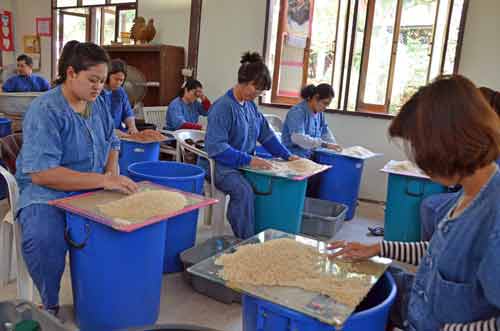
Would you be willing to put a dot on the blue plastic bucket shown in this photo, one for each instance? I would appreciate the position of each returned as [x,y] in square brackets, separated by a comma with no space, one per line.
[181,230]
[340,183]
[131,152]
[278,202]
[372,314]
[5,127]
[402,211]
[116,276]
[260,151]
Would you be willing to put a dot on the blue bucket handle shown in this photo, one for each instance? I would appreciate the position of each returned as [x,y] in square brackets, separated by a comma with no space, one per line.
[414,188]
[261,318]
[269,191]
[74,244]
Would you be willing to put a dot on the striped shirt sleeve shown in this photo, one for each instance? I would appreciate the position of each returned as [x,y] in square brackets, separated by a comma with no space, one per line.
[485,325]
[404,252]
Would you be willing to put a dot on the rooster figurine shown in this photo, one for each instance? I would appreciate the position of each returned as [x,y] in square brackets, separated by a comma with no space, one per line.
[150,32]
[142,33]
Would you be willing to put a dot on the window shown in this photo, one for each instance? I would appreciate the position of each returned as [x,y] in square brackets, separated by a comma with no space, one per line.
[73,25]
[375,53]
[98,21]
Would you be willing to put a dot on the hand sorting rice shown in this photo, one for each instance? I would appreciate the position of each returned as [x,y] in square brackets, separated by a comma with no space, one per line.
[144,205]
[286,262]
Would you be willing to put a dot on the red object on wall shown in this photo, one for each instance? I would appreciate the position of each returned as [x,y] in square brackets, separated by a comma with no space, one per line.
[6,32]
[44,26]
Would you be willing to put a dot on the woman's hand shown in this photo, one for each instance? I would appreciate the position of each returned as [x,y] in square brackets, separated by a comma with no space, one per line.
[258,163]
[132,130]
[120,183]
[293,158]
[334,147]
[353,250]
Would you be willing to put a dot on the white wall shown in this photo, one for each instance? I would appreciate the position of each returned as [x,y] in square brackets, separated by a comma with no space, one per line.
[481,48]
[24,14]
[7,57]
[171,20]
[226,34]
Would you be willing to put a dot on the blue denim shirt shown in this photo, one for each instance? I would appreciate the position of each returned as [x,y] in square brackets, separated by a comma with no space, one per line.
[301,119]
[180,112]
[31,83]
[231,124]
[119,106]
[56,136]
[458,280]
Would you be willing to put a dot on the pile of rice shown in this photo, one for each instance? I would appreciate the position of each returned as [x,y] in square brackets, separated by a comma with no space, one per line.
[286,262]
[144,205]
[299,167]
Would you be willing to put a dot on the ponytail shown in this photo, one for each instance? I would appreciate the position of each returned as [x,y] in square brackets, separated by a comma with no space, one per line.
[254,70]
[324,91]
[80,56]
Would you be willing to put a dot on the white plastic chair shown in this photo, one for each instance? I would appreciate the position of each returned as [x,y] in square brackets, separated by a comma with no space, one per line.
[216,216]
[156,116]
[11,258]
[275,122]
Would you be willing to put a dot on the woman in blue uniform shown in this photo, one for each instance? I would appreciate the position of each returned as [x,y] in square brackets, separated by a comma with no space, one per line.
[69,145]
[305,128]
[430,206]
[25,80]
[120,105]
[185,110]
[454,136]
[234,126]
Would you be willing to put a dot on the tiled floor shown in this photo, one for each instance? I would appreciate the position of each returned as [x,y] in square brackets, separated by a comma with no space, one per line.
[181,305]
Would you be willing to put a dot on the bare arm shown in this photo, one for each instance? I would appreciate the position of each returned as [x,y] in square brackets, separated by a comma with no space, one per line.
[130,122]
[112,164]
[64,179]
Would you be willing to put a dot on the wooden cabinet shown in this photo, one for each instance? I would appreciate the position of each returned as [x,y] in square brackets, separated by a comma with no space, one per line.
[158,63]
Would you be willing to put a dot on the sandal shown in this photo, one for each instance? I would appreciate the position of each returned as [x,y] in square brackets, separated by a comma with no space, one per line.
[376,231]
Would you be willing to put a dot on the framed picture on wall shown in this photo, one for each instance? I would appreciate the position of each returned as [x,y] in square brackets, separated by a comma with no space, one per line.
[31,44]
[44,26]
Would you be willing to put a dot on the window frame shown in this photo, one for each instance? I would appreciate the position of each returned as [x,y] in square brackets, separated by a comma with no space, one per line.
[379,111]
[132,4]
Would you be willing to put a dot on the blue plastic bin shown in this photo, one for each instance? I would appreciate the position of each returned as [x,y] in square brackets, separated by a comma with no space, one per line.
[181,230]
[340,183]
[132,152]
[278,202]
[260,151]
[5,127]
[116,276]
[371,315]
[402,211]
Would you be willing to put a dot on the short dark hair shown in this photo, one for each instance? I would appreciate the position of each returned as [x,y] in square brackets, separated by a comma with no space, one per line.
[116,66]
[27,59]
[80,56]
[190,84]
[449,128]
[254,70]
[324,91]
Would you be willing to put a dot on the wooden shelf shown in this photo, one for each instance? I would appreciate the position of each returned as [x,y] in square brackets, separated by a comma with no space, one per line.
[158,63]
